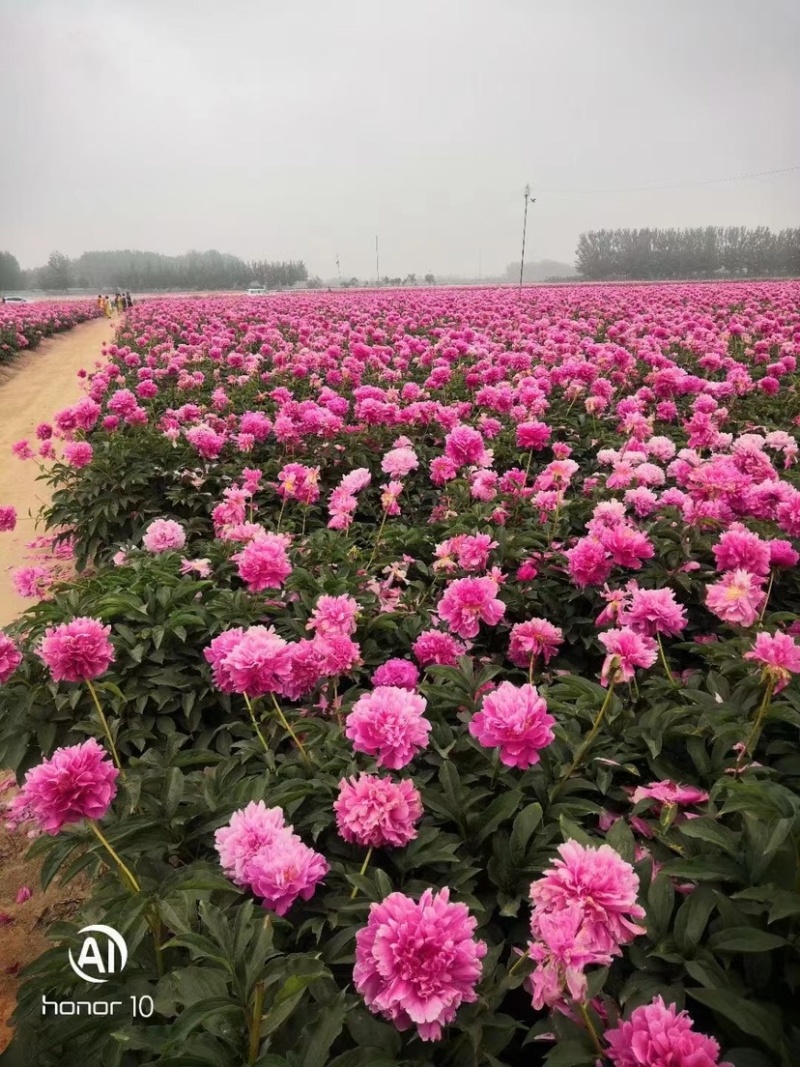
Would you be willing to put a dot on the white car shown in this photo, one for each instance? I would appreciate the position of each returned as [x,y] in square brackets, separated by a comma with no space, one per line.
[257,290]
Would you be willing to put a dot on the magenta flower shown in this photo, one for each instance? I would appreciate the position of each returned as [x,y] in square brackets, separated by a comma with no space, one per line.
[779,656]
[76,651]
[376,812]
[534,638]
[284,870]
[163,535]
[263,563]
[398,672]
[75,783]
[737,597]
[588,562]
[467,602]
[334,615]
[740,548]
[78,454]
[654,611]
[659,1036]
[464,447]
[514,720]
[417,963]
[258,662]
[10,657]
[217,653]
[389,724]
[669,793]
[627,650]
[249,830]
[8,518]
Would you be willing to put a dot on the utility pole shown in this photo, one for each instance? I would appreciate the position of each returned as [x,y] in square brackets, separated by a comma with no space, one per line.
[524,229]
[377,264]
[339,270]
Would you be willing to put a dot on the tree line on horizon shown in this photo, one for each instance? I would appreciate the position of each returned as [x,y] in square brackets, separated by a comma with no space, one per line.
[146,271]
[697,252]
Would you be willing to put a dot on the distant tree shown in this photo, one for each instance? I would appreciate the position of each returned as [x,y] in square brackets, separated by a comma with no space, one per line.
[57,274]
[430,279]
[10,273]
[314,283]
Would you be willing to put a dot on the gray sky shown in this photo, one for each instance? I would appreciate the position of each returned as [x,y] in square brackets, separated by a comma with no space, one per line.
[301,128]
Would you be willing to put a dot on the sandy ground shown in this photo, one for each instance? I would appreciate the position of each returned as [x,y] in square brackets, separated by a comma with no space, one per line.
[32,389]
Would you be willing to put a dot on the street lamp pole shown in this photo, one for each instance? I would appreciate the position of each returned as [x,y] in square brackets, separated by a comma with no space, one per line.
[524,230]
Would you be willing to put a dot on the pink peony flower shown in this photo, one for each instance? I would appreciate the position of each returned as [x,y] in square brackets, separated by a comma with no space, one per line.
[76,651]
[8,518]
[779,655]
[659,1036]
[781,553]
[588,562]
[217,653]
[376,812]
[78,454]
[468,600]
[75,783]
[23,893]
[334,615]
[667,792]
[249,830]
[464,447]
[163,535]
[738,548]
[534,638]
[263,563]
[627,650]
[389,723]
[398,672]
[196,566]
[737,597]
[399,462]
[433,646]
[515,720]
[338,654]
[10,657]
[258,662]
[416,963]
[284,870]
[654,611]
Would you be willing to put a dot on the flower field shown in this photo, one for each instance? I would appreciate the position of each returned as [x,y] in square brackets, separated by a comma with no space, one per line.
[24,325]
[427,691]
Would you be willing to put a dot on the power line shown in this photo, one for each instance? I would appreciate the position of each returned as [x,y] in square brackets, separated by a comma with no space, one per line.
[671,185]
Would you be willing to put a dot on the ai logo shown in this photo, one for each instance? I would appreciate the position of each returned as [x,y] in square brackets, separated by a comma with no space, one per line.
[105,955]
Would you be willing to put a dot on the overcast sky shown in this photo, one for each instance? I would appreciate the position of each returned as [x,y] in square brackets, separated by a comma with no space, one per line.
[303,128]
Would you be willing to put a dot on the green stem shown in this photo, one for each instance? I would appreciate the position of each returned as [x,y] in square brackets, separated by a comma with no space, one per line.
[592,1032]
[156,929]
[362,872]
[766,598]
[752,740]
[518,962]
[280,515]
[530,668]
[103,720]
[287,726]
[377,539]
[598,722]
[255,723]
[115,855]
[661,652]
[254,1023]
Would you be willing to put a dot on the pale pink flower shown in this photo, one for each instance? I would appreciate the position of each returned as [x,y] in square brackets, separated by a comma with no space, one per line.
[670,793]
[389,724]
[473,551]
[31,582]
[515,721]
[250,829]
[75,783]
[779,656]
[627,650]
[659,1036]
[163,535]
[338,653]
[10,657]
[263,563]
[376,812]
[76,651]
[399,462]
[416,963]
[468,601]
[737,597]
[334,615]
[258,662]
[196,566]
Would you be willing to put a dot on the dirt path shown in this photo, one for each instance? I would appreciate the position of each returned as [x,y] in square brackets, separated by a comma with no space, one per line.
[32,389]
